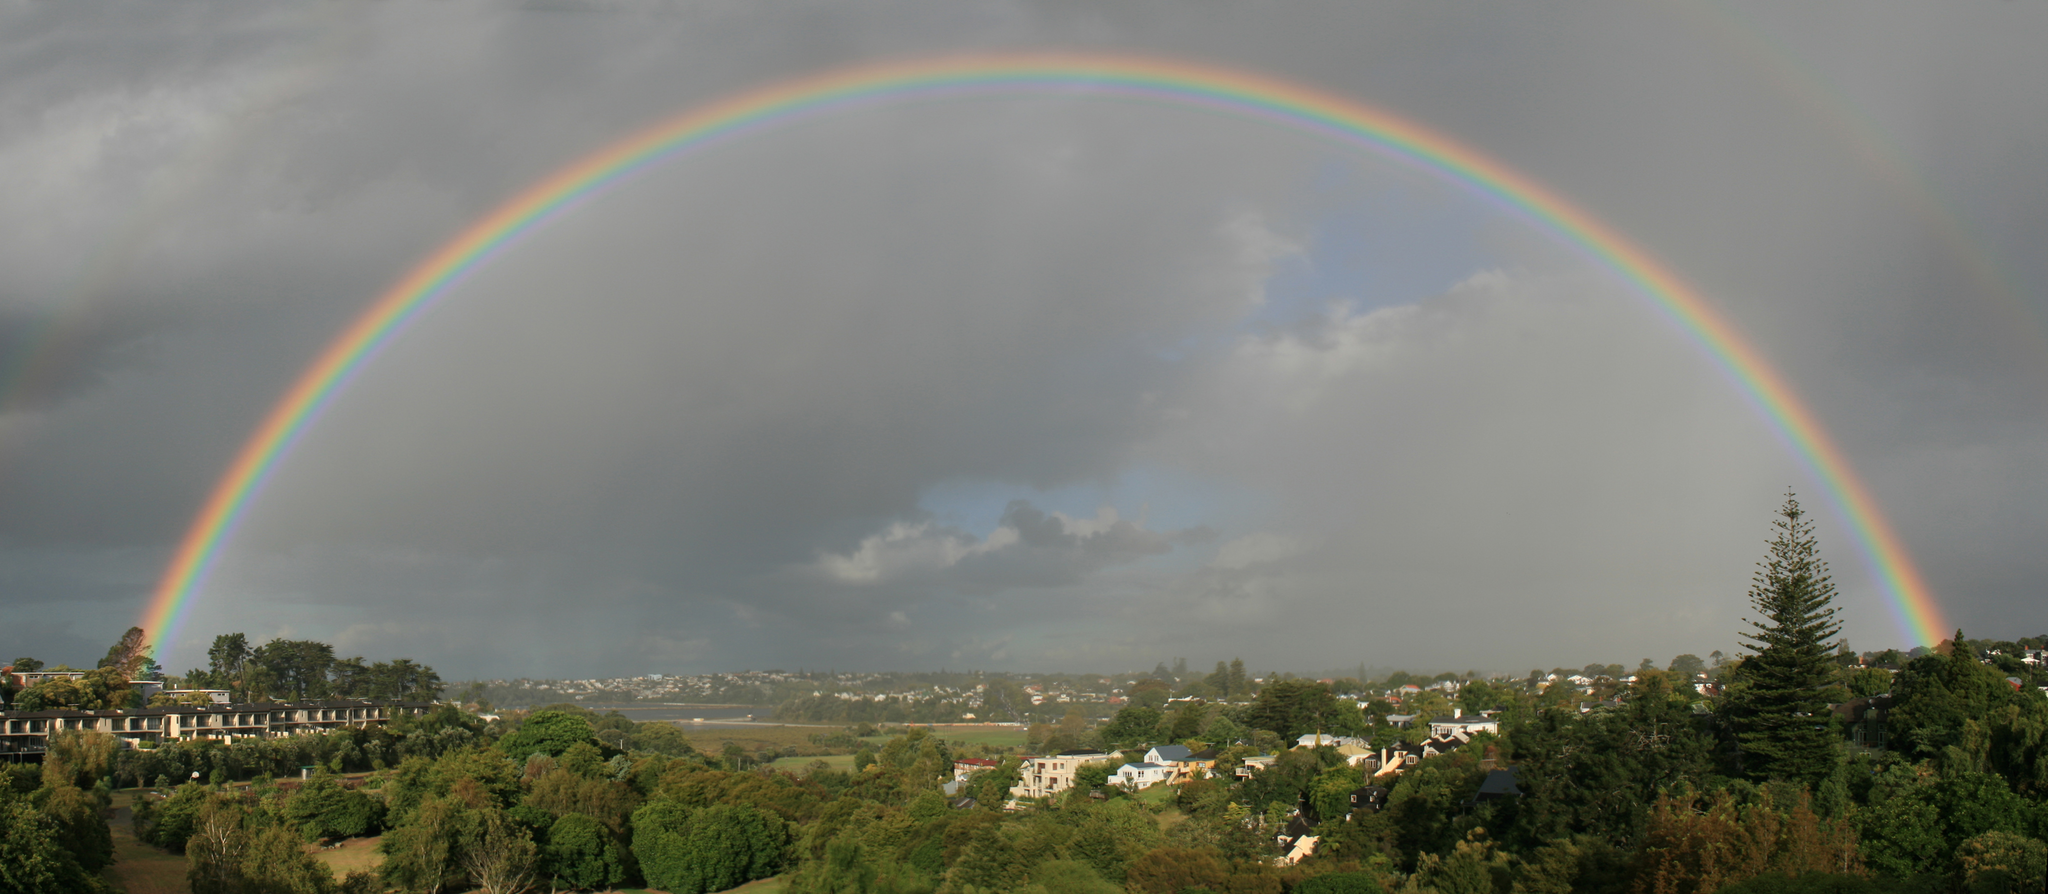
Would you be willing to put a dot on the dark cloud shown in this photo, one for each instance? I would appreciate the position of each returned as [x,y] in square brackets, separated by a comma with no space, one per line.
[1031,381]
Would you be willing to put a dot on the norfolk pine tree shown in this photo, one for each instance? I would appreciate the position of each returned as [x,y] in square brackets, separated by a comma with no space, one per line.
[1778,705]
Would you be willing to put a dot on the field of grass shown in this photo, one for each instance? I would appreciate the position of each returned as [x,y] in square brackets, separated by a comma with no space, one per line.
[992,736]
[752,738]
[139,868]
[800,764]
[1158,795]
[353,855]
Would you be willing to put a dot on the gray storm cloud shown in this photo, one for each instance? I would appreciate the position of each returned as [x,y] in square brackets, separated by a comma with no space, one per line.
[722,414]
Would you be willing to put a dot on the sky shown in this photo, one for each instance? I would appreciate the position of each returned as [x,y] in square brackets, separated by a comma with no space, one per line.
[1042,382]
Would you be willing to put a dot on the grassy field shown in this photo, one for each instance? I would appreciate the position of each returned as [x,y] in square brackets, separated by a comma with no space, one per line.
[1158,795]
[139,868]
[800,764]
[353,855]
[992,736]
[753,738]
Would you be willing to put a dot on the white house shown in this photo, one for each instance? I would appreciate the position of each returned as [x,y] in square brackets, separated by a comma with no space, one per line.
[1140,775]
[1167,754]
[1462,727]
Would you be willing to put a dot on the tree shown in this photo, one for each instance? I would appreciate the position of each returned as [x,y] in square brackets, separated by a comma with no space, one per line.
[129,655]
[1291,708]
[1132,725]
[1686,667]
[33,858]
[422,855]
[228,657]
[581,854]
[713,849]
[502,858]
[299,666]
[1778,703]
[547,732]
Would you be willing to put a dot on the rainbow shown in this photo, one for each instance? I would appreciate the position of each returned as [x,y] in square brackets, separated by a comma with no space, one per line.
[1165,81]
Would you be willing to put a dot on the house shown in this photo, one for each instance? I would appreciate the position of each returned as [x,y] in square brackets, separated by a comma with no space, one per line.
[1044,776]
[968,766]
[1167,754]
[1498,784]
[1395,759]
[1462,727]
[1355,754]
[217,696]
[1401,721]
[1199,765]
[1369,798]
[1253,764]
[1313,740]
[1296,841]
[1140,775]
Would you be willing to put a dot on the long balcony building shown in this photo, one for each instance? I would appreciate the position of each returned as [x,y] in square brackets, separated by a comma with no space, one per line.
[28,732]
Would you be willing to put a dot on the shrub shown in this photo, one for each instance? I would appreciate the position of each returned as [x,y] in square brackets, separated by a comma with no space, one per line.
[1340,883]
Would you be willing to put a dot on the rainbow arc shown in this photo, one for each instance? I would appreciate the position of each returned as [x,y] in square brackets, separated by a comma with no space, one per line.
[1173,82]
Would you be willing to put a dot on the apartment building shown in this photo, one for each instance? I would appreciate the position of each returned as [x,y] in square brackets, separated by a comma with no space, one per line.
[1050,775]
[28,732]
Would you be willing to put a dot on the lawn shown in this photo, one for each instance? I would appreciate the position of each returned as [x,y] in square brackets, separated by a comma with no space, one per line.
[1157,795]
[801,764]
[992,736]
[352,855]
[753,738]
[139,868]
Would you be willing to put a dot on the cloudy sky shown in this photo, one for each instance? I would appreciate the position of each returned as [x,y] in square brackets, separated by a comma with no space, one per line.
[1051,381]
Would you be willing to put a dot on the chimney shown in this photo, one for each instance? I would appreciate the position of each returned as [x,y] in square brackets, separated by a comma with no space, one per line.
[1457,713]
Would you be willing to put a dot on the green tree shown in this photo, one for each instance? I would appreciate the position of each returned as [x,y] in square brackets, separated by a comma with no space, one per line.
[1291,708]
[323,809]
[1340,883]
[688,851]
[228,657]
[1778,703]
[501,857]
[422,855]
[33,859]
[299,667]
[1132,725]
[547,732]
[1687,666]
[57,692]
[581,854]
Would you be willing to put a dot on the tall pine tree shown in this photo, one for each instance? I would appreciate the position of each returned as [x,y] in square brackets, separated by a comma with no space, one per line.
[1778,703]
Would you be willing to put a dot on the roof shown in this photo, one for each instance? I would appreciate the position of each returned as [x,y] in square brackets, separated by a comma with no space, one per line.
[1206,754]
[1497,784]
[1172,752]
